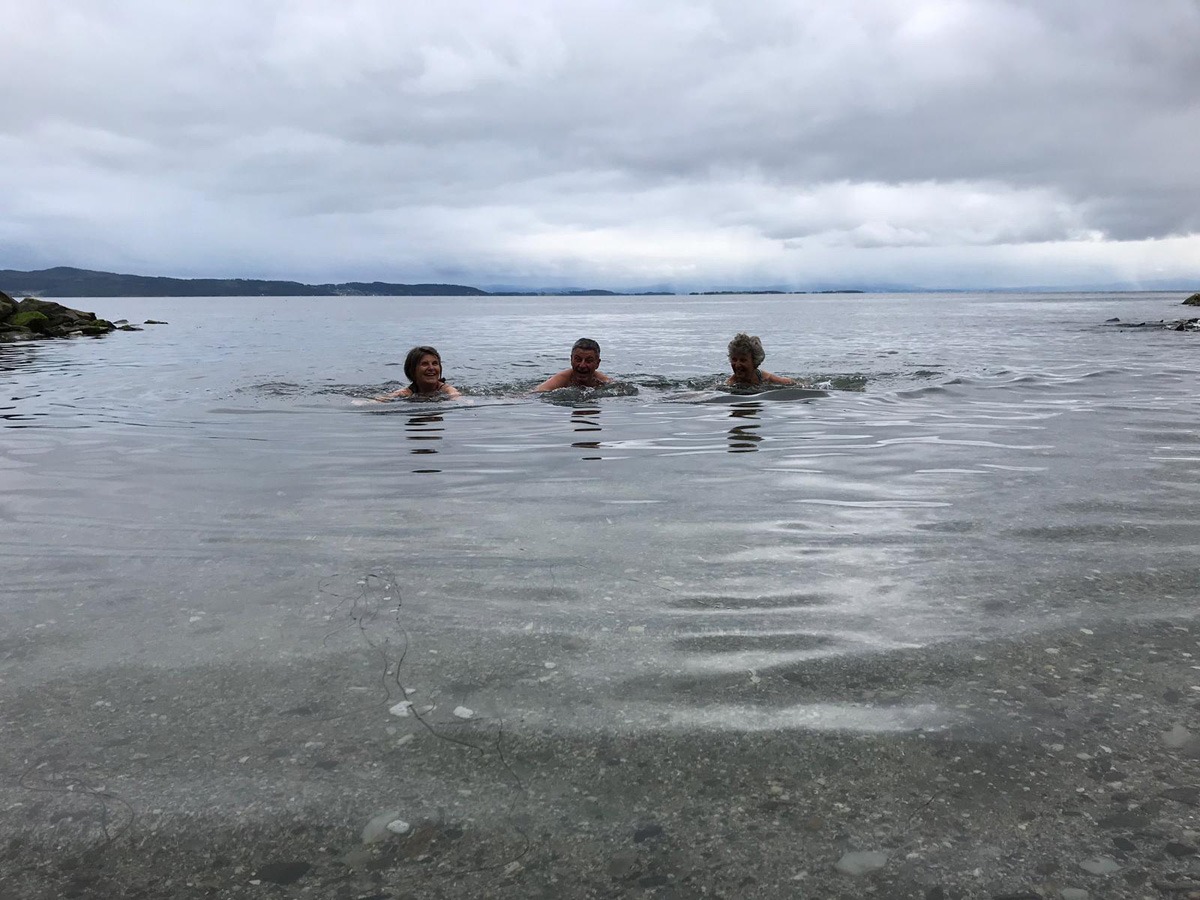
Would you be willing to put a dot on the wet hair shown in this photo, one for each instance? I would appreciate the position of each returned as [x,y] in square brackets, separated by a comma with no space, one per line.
[586,344]
[413,360]
[747,345]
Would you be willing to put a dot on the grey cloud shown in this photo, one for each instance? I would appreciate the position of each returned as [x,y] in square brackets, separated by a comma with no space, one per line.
[397,140]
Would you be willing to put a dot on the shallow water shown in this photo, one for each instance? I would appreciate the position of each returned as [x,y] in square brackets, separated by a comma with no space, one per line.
[983,465]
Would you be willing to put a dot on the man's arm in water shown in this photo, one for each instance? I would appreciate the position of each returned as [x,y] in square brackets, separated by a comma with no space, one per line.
[554,382]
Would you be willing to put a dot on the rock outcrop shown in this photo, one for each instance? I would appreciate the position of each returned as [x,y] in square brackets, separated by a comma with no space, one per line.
[1174,325]
[1193,300]
[30,319]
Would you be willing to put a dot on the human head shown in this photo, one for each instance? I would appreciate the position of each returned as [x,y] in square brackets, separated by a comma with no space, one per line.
[585,356]
[414,359]
[747,345]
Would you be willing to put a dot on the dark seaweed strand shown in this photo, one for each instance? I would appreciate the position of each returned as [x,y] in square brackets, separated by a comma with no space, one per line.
[391,672]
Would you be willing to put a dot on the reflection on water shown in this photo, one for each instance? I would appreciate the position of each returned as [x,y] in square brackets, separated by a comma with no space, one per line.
[424,428]
[586,420]
[744,437]
[17,356]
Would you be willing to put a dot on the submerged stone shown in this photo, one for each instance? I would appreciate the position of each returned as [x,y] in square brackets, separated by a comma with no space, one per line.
[1100,865]
[861,862]
[378,828]
[1177,738]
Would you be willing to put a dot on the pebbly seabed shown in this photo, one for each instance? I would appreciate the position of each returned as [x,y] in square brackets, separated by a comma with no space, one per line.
[1071,769]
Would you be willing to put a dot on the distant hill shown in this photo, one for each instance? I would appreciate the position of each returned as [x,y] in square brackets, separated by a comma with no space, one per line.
[64,281]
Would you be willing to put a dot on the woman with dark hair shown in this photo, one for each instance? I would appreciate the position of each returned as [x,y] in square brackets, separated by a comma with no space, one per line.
[423,369]
[745,356]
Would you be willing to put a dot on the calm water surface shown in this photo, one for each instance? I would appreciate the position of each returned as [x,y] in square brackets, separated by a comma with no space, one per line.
[206,491]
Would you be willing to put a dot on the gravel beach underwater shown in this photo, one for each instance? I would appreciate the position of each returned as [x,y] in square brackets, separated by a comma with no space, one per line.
[1072,771]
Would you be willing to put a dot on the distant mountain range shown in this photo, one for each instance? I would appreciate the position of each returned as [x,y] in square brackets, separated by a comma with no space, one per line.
[64,281]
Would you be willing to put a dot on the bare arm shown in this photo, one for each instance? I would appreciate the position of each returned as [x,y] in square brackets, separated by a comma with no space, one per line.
[768,378]
[448,391]
[554,382]
[384,398]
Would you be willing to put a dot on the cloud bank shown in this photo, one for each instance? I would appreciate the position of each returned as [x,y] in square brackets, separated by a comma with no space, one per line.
[681,144]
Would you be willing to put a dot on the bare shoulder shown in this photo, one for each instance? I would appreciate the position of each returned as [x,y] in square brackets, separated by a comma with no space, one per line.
[554,382]
[449,391]
[776,379]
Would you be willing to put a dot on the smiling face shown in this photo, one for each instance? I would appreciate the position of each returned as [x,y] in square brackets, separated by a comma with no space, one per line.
[428,374]
[584,363]
[743,367]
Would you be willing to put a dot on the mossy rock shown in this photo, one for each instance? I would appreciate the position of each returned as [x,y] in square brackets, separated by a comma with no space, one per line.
[8,306]
[1193,300]
[31,319]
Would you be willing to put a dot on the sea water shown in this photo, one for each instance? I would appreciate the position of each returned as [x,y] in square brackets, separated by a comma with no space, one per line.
[981,465]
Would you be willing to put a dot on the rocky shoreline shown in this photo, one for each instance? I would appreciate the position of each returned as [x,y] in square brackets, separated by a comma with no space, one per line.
[1192,324]
[1070,769]
[33,319]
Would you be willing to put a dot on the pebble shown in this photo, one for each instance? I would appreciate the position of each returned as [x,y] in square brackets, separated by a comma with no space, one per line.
[1187,794]
[1178,850]
[463,712]
[401,708]
[861,862]
[378,828]
[1177,738]
[1100,865]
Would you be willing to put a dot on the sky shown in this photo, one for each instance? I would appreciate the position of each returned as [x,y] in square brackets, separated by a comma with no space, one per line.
[672,144]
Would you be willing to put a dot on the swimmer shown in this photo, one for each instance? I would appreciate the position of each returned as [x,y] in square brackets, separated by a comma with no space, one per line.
[745,356]
[423,369]
[584,371]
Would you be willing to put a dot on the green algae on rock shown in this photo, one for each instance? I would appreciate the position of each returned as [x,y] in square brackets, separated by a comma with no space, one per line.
[31,319]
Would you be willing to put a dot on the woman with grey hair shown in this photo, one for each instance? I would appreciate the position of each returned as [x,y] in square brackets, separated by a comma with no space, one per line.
[745,356]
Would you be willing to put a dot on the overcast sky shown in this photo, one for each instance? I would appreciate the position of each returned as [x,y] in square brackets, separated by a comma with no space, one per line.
[605,143]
